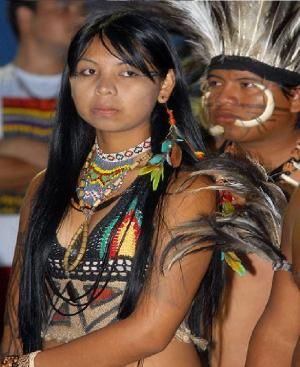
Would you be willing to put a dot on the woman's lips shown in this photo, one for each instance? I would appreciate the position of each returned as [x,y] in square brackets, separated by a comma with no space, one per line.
[104,111]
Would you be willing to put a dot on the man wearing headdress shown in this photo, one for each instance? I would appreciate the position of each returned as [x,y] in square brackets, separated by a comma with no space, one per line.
[251,102]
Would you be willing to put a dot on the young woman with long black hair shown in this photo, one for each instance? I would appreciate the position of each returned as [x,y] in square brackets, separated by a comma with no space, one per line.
[96,224]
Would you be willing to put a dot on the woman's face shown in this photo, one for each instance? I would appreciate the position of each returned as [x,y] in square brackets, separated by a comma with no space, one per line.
[112,96]
[233,95]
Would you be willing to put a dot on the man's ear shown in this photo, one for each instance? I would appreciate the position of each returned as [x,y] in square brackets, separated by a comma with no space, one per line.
[24,17]
[167,86]
[295,100]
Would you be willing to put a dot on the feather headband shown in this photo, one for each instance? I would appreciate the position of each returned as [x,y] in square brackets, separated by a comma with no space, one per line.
[258,36]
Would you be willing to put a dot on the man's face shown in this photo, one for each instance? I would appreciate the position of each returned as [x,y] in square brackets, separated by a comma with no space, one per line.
[233,95]
[55,21]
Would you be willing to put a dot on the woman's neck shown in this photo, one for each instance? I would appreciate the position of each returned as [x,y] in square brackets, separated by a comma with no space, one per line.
[119,142]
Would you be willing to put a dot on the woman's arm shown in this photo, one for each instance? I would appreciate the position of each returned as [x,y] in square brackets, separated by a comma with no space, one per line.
[161,308]
[10,343]
[278,330]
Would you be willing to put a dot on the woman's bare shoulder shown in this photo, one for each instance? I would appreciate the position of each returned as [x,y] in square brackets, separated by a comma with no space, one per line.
[190,196]
[36,182]
[28,199]
[34,186]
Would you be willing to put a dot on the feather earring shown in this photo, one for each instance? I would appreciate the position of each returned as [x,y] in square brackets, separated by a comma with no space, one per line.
[171,152]
[170,145]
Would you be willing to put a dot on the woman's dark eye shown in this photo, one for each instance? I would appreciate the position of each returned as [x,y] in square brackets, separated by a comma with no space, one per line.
[129,73]
[88,72]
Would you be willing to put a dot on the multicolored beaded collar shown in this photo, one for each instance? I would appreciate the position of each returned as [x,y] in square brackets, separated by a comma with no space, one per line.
[102,175]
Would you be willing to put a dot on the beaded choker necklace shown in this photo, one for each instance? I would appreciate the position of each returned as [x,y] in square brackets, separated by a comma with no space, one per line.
[106,173]
[102,175]
[126,155]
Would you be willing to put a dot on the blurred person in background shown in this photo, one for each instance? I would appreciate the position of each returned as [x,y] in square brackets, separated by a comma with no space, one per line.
[28,90]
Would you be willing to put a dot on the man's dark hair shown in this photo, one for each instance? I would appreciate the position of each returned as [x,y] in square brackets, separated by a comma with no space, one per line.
[12,6]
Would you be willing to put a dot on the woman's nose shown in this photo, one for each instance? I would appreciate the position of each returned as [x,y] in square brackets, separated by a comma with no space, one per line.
[105,86]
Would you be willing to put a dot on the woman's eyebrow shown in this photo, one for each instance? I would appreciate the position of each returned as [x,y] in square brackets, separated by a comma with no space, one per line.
[88,60]
[118,63]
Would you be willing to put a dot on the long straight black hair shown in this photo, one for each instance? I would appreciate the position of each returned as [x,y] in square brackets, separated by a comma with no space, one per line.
[143,43]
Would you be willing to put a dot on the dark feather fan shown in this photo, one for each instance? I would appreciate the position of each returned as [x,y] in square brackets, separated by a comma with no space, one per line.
[253,227]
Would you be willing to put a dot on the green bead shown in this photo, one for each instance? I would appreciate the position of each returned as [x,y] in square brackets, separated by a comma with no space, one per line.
[166,146]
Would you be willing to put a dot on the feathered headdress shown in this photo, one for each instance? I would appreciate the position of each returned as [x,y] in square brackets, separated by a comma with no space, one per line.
[259,36]
[262,37]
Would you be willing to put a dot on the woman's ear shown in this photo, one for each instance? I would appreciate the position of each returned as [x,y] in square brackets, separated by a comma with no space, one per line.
[295,100]
[166,87]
